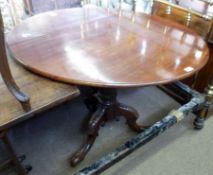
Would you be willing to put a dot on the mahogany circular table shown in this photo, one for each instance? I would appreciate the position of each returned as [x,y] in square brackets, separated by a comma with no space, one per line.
[93,47]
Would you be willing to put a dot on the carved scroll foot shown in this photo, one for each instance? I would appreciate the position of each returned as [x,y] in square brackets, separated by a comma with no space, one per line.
[95,122]
[11,84]
[19,95]
[131,116]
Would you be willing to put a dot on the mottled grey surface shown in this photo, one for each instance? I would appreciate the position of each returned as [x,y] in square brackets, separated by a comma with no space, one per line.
[131,145]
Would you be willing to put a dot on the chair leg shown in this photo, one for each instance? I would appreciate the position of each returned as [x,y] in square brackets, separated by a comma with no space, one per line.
[16,161]
[203,113]
[6,73]
[13,88]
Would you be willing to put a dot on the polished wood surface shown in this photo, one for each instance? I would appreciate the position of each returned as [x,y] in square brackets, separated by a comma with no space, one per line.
[89,46]
[197,11]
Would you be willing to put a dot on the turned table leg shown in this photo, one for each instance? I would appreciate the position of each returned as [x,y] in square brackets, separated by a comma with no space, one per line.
[106,107]
[202,114]
[14,160]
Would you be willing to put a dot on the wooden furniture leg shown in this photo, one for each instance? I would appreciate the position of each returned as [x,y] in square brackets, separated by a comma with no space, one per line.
[202,114]
[107,108]
[16,161]
[6,74]
[13,88]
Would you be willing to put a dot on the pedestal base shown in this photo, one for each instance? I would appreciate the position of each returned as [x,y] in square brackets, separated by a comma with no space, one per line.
[104,106]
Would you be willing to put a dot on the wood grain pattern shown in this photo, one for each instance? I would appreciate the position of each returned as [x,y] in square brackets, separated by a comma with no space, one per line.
[43,93]
[88,46]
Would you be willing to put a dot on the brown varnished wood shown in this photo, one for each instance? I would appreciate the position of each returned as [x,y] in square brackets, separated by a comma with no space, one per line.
[199,24]
[88,46]
[107,107]
[198,16]
[44,94]
[6,73]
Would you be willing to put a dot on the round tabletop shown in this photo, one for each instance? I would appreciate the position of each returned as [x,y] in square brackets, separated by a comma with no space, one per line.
[94,47]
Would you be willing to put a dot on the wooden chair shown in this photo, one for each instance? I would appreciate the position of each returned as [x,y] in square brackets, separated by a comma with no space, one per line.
[43,93]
